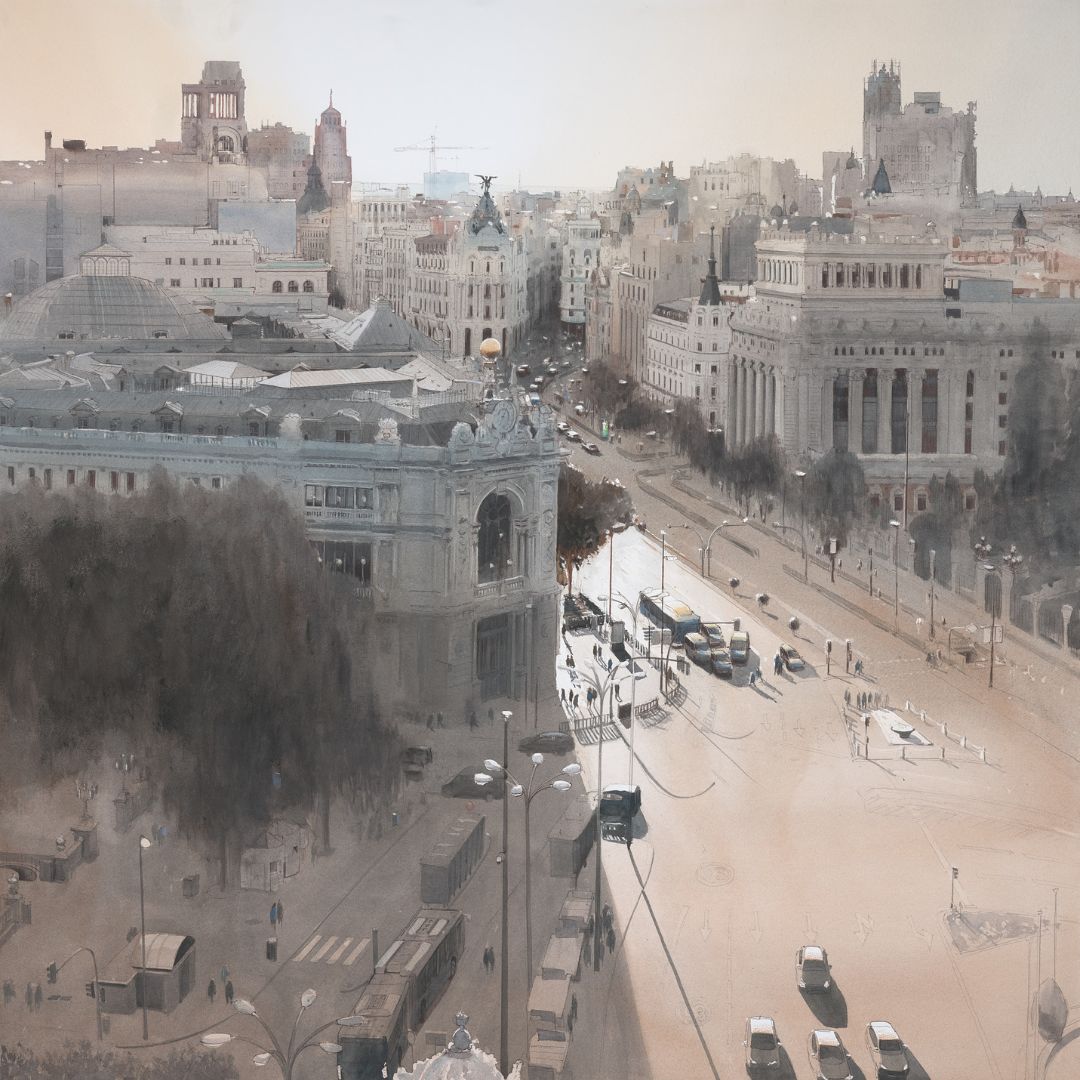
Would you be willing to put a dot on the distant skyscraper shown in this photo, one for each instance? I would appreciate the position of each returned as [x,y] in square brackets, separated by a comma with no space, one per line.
[331,150]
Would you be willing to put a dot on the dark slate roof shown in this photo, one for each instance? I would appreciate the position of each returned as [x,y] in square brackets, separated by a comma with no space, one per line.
[1019,221]
[881,185]
[710,287]
[314,198]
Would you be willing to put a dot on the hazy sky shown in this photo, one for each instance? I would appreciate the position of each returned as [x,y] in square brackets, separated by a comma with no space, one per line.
[559,92]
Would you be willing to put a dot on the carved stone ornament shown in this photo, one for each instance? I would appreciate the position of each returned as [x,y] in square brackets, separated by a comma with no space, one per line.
[388,431]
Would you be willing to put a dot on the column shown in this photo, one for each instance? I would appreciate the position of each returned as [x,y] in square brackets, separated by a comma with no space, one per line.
[828,390]
[731,405]
[770,402]
[884,429]
[855,387]
[751,402]
[915,381]
[762,379]
[740,393]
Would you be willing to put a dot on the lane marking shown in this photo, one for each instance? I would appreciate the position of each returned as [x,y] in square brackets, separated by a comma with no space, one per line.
[339,950]
[351,958]
[327,946]
[307,948]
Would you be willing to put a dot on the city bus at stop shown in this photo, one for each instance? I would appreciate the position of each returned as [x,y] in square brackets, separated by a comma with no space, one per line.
[668,613]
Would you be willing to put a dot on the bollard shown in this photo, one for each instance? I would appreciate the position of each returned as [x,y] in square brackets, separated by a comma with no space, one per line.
[945,728]
[394,818]
[982,754]
[903,753]
[943,753]
[963,742]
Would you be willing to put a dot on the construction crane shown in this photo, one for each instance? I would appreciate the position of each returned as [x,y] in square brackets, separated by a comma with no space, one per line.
[430,147]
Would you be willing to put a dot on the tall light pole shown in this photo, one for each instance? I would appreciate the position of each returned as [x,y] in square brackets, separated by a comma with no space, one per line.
[802,539]
[1011,560]
[706,545]
[504,965]
[527,794]
[663,557]
[894,524]
[144,843]
[933,561]
[800,475]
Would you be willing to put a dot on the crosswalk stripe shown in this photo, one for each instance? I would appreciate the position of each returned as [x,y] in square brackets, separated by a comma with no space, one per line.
[339,950]
[351,958]
[327,946]
[307,948]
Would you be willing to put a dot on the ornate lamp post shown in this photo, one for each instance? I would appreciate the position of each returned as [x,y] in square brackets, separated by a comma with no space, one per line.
[124,764]
[87,792]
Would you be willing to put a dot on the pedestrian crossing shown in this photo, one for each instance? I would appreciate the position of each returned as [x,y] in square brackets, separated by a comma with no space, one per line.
[331,949]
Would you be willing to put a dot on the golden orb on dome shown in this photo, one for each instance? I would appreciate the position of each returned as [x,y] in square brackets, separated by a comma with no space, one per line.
[490,348]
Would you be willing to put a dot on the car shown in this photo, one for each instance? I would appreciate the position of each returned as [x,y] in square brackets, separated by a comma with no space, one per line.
[887,1049]
[762,1044]
[828,1056]
[721,663]
[584,371]
[697,649]
[565,363]
[536,385]
[414,758]
[573,436]
[739,646]
[792,660]
[562,427]
[812,968]
[715,633]
[590,448]
[547,742]
[524,369]
[464,785]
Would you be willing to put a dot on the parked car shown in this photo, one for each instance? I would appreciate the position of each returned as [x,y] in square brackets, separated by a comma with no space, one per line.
[524,369]
[590,448]
[828,1056]
[715,633]
[887,1049]
[739,647]
[572,435]
[812,968]
[562,427]
[464,785]
[721,663]
[792,660]
[547,742]
[697,649]
[762,1045]
[416,757]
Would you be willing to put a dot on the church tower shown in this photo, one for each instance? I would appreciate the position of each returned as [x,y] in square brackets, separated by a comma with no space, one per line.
[331,150]
[881,102]
[212,124]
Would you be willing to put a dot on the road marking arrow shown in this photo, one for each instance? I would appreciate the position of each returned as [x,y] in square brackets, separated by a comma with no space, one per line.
[706,930]
[755,930]
[864,925]
[925,935]
[811,933]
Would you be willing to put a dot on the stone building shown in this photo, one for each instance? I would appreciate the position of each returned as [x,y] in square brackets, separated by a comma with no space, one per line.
[852,342]
[282,153]
[212,122]
[331,152]
[580,256]
[928,148]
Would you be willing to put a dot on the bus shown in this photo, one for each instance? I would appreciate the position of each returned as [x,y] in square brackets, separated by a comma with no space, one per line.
[668,613]
[409,978]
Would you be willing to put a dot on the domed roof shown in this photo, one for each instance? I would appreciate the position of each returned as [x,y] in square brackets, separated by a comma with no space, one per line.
[461,1060]
[1019,220]
[94,307]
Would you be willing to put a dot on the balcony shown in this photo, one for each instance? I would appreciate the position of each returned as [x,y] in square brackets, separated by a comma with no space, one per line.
[363,517]
[500,588]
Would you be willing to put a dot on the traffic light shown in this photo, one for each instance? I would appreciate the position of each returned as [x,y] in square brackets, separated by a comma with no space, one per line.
[624,714]
[50,973]
[91,990]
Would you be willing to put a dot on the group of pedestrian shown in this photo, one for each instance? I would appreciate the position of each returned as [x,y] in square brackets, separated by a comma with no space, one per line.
[435,720]
[858,667]
[489,959]
[777,665]
[277,914]
[597,652]
[9,991]
[34,996]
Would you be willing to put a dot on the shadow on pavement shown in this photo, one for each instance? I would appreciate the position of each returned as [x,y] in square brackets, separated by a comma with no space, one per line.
[830,1008]
[916,1072]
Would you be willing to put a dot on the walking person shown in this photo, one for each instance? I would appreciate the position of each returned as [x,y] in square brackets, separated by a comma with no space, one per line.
[609,919]
[573,1005]
[211,991]
[611,940]
[9,991]
[431,721]
[439,719]
[39,997]
[280,914]
[562,694]
[224,973]
[473,722]
[273,915]
[229,992]
[29,995]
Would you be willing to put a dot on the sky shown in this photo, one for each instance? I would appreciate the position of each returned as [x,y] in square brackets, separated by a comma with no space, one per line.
[555,94]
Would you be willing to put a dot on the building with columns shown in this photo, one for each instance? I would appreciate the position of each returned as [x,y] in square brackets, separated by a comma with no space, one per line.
[852,342]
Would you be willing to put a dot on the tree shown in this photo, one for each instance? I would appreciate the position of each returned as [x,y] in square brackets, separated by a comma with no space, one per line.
[88,1062]
[937,528]
[587,510]
[835,489]
[199,629]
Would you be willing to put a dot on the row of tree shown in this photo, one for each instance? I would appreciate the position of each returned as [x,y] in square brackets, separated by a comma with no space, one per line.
[18,1062]
[198,629]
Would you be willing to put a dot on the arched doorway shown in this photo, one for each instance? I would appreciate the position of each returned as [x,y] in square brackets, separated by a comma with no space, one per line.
[493,562]
[487,333]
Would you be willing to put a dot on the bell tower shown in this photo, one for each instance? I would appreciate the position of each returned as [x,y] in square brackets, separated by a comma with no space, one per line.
[212,123]
[881,102]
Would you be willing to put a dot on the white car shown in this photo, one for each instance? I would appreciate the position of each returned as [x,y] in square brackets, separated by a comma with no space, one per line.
[572,435]
[887,1049]
[812,964]
[828,1057]
[562,427]
[762,1045]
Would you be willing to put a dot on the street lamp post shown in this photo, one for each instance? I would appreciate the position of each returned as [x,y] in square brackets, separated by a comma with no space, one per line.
[802,537]
[706,545]
[894,524]
[504,965]
[527,794]
[1011,560]
[86,791]
[663,557]
[933,561]
[144,843]
[286,1057]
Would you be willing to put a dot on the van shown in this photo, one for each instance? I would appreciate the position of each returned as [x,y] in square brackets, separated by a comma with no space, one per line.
[739,647]
[698,649]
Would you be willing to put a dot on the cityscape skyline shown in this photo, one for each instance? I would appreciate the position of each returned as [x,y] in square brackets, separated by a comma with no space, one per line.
[565,135]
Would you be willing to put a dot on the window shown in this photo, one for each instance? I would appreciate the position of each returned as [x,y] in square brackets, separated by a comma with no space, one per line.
[47,479]
[71,478]
[1003,399]
[920,501]
[114,481]
[237,282]
[313,495]
[276,287]
[493,546]
[293,287]
[340,498]
[342,436]
[130,482]
[215,483]
[898,501]
[219,431]
[253,428]
[174,283]
[206,262]
[1001,448]
[183,261]
[168,262]
[1003,376]
[839,274]
[345,557]
[91,478]
[83,422]
[217,262]
[1003,421]
[969,500]
[309,286]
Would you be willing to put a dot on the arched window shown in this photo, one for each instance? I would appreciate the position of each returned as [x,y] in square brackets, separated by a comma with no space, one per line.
[225,142]
[905,276]
[493,544]
[918,275]
[276,287]
[970,391]
[293,287]
[309,286]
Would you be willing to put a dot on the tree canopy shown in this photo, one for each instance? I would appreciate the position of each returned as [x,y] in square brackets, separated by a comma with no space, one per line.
[587,510]
[88,1062]
[198,630]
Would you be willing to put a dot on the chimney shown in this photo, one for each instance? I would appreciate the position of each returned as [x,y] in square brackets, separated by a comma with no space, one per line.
[48,140]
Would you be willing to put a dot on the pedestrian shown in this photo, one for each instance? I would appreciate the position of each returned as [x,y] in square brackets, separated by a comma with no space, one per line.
[439,719]
[473,722]
[610,664]
[570,1025]
[611,940]
[280,913]
[431,722]
[211,991]
[866,726]
[9,991]
[617,698]
[224,973]
[491,715]
[273,914]
[753,677]
[573,1005]
[576,697]
[29,995]
[587,950]
[39,997]
[228,992]
[589,926]
[609,919]
[562,693]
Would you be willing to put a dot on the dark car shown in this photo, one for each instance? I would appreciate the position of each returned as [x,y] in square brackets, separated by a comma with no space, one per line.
[547,742]
[715,633]
[464,785]
[721,663]
[414,758]
[792,660]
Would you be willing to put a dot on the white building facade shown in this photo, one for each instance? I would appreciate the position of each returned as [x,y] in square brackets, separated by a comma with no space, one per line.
[581,256]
